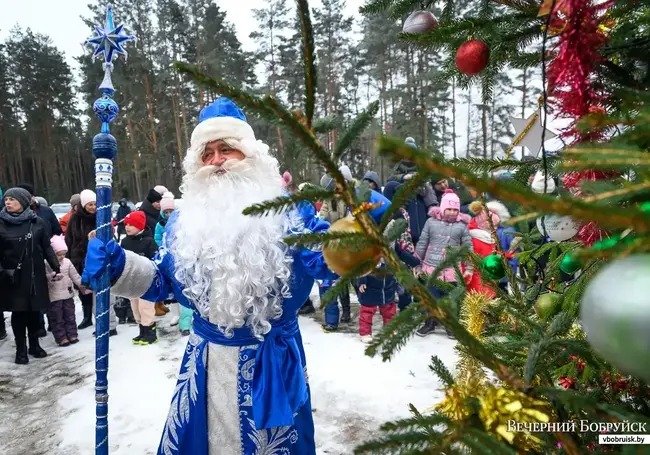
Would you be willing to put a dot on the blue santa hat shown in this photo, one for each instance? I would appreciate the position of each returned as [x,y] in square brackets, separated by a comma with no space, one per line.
[221,120]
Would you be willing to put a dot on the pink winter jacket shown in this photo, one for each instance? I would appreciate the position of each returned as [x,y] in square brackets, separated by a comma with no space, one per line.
[62,289]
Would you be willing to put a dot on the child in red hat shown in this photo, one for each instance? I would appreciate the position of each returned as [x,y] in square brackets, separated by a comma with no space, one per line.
[139,240]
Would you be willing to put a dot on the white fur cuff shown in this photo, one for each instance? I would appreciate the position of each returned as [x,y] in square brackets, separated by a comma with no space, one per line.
[217,128]
[136,278]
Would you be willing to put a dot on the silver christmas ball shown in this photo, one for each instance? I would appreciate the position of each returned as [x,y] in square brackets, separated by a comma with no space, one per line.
[558,228]
[420,21]
[615,314]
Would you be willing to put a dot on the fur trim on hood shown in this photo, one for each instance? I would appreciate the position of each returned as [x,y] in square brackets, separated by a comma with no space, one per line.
[500,209]
[436,213]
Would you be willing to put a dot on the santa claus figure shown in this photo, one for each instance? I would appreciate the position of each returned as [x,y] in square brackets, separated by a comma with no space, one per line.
[242,387]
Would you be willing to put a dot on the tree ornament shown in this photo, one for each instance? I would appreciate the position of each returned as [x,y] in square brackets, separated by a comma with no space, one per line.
[343,262]
[558,228]
[615,314]
[570,264]
[492,267]
[420,21]
[472,57]
[529,132]
[548,305]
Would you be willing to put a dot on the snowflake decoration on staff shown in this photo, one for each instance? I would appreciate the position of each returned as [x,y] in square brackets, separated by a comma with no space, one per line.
[108,40]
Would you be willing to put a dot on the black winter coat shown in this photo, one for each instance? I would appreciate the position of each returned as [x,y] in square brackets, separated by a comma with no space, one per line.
[142,244]
[122,212]
[80,225]
[153,215]
[30,291]
[51,221]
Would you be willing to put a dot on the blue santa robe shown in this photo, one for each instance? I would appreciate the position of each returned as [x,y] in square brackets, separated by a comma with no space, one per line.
[273,408]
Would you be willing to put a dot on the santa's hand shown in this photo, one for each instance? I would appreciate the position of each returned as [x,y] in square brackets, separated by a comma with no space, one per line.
[101,257]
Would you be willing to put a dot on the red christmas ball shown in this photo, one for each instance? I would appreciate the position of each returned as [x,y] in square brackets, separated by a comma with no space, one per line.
[472,57]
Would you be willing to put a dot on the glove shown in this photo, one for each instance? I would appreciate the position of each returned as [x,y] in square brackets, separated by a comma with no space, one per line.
[99,258]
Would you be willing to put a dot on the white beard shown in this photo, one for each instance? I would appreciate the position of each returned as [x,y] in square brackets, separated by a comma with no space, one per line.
[235,268]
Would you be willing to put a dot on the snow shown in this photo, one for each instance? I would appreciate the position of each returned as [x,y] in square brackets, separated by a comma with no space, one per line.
[47,407]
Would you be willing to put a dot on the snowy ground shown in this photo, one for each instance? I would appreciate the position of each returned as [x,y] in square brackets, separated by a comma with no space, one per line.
[47,407]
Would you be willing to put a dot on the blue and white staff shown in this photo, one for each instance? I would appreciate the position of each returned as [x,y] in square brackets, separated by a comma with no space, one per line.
[107,43]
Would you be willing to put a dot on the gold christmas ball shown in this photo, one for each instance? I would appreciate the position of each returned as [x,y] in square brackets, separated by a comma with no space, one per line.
[343,262]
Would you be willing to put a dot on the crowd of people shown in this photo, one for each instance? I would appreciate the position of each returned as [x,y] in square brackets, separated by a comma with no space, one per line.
[42,261]
[43,258]
[442,214]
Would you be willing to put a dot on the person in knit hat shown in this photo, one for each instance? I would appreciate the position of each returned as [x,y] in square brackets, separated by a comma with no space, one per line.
[166,209]
[61,314]
[82,223]
[151,207]
[138,242]
[75,200]
[44,213]
[445,228]
[244,284]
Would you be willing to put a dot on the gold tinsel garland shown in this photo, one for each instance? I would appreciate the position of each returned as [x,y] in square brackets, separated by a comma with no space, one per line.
[497,405]
[473,317]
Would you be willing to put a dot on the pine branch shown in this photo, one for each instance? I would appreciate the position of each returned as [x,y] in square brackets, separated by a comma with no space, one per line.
[418,421]
[360,123]
[326,124]
[441,371]
[376,7]
[283,203]
[347,241]
[343,283]
[490,443]
[452,257]
[254,103]
[613,218]
[403,193]
[309,58]
[396,333]
[395,230]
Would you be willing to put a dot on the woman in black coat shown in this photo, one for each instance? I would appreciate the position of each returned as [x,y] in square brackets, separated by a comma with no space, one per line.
[24,248]
[81,224]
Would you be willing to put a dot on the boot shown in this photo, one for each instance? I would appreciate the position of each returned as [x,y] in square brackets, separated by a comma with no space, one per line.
[161,310]
[428,328]
[176,314]
[148,335]
[88,316]
[307,308]
[35,348]
[327,328]
[21,351]
[345,308]
[137,339]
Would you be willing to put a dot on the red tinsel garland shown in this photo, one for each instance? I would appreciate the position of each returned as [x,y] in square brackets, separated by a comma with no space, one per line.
[573,93]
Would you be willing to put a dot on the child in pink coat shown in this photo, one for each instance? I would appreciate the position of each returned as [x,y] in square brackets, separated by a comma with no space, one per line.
[61,312]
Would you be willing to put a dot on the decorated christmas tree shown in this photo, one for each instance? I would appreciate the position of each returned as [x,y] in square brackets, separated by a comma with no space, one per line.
[562,354]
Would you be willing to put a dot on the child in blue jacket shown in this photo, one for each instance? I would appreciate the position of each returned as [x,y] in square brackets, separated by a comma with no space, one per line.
[379,291]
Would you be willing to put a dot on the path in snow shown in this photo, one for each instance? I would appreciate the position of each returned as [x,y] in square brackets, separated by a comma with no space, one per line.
[47,407]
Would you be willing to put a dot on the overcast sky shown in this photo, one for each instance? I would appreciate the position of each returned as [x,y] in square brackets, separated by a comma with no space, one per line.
[61,20]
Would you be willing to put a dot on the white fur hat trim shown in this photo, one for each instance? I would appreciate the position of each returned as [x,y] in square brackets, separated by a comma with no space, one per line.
[216,128]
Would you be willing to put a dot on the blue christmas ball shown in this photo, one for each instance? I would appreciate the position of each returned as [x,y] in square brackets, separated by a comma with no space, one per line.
[106,109]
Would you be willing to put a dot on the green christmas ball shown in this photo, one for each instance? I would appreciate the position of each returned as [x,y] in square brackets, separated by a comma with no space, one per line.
[615,314]
[492,267]
[548,305]
[569,264]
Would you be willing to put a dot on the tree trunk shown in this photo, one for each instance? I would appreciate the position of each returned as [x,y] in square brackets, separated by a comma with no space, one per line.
[177,126]
[152,123]
[453,115]
[469,121]
[484,129]
[136,163]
